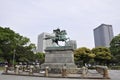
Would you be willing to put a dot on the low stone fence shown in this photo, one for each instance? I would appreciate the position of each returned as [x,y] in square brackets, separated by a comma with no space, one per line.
[103,70]
[64,72]
[18,69]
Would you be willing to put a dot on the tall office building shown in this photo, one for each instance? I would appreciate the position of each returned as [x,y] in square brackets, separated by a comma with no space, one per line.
[42,43]
[103,35]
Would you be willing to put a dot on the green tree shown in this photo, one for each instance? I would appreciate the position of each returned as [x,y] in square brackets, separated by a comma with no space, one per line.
[40,57]
[24,54]
[103,55]
[6,43]
[12,43]
[83,55]
[115,49]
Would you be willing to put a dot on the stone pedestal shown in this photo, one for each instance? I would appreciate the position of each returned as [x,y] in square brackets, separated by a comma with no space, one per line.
[57,57]
[46,71]
[6,69]
[17,69]
[84,72]
[64,71]
[31,70]
[105,74]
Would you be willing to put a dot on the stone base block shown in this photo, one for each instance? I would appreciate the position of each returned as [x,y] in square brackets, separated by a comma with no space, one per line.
[58,65]
[58,57]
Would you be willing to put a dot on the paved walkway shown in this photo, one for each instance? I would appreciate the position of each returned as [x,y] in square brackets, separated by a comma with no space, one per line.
[114,75]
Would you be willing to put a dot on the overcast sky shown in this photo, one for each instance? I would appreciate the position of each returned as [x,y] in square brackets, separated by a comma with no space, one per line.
[78,17]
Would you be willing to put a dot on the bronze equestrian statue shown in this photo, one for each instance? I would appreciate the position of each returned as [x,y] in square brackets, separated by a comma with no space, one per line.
[60,35]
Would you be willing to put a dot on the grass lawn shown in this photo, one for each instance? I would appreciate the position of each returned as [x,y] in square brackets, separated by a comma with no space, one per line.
[1,68]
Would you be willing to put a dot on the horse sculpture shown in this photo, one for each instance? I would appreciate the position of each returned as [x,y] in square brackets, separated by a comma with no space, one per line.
[60,35]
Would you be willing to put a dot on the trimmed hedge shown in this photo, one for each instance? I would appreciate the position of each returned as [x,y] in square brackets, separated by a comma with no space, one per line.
[115,67]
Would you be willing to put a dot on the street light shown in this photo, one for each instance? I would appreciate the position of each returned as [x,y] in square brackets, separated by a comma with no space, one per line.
[13,58]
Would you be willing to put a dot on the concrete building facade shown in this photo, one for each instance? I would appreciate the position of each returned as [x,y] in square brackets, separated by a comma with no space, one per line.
[42,43]
[71,43]
[103,35]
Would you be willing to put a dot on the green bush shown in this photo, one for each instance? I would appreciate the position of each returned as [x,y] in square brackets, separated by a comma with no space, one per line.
[115,67]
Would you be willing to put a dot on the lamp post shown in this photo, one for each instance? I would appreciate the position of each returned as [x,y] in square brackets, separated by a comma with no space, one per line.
[13,58]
